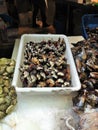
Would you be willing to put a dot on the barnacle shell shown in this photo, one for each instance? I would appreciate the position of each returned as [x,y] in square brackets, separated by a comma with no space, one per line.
[60,74]
[35,60]
[41,84]
[85,54]
[50,82]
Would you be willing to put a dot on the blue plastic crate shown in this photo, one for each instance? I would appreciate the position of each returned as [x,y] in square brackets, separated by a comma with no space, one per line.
[89,21]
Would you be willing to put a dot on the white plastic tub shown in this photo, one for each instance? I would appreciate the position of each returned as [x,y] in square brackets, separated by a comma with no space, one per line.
[75,82]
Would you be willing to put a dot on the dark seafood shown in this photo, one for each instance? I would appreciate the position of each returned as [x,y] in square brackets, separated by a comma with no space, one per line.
[45,65]
[85,54]
[92,32]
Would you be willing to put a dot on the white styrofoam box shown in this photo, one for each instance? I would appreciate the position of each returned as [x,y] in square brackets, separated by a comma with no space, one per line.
[75,82]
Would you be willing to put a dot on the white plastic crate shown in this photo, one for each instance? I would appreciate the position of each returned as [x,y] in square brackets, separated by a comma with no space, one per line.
[75,82]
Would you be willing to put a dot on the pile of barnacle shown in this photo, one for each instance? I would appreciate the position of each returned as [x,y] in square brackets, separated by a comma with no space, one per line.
[8,96]
[45,64]
[92,32]
[85,54]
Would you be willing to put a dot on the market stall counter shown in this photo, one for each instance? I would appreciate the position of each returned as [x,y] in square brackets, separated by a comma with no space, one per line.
[39,111]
